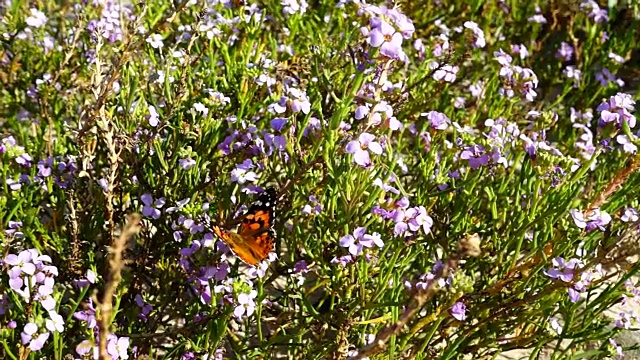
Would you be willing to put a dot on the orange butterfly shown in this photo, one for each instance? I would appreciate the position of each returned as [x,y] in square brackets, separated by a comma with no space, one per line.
[254,239]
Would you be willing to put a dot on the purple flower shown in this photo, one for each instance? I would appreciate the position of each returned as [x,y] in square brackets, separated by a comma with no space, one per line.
[89,279]
[246,305]
[155,40]
[179,206]
[421,220]
[574,295]
[55,322]
[301,267]
[84,347]
[314,208]
[150,207]
[37,18]
[445,72]
[343,260]
[617,109]
[617,58]
[476,156]
[278,123]
[12,229]
[88,315]
[479,39]
[299,101]
[627,145]
[520,49]
[359,240]
[437,120]
[153,117]
[617,348]
[242,173]
[359,148]
[565,52]
[384,36]
[44,167]
[368,240]
[117,347]
[555,325]
[187,164]
[595,13]
[145,309]
[459,311]
[630,215]
[30,336]
[595,219]
[605,77]
[563,270]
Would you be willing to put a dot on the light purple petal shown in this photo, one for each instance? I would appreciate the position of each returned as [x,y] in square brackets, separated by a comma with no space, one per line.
[353,146]
[375,147]
[361,158]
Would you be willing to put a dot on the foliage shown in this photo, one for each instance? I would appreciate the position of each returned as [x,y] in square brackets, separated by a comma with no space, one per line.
[452,178]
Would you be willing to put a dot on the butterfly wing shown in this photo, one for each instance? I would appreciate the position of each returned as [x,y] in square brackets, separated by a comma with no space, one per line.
[255,238]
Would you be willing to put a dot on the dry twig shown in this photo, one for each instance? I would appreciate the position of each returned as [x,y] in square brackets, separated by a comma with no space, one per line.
[116,263]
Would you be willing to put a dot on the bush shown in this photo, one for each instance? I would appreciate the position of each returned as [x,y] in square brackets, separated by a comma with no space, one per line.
[224,179]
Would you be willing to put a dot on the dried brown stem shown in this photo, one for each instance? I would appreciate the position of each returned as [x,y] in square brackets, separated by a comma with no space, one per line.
[116,263]
[75,232]
[616,184]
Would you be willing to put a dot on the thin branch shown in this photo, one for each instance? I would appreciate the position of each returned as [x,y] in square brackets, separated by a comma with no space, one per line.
[116,263]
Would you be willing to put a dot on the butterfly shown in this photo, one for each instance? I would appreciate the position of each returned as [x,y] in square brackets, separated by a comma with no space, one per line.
[255,238]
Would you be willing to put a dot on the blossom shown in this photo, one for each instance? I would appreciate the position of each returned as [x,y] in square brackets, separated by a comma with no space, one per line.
[152,208]
[565,52]
[445,72]
[627,145]
[563,270]
[37,19]
[31,336]
[155,40]
[555,325]
[246,305]
[359,240]
[298,100]
[187,163]
[476,155]
[88,315]
[479,39]
[437,120]
[458,311]
[385,36]
[89,279]
[291,7]
[118,347]
[308,209]
[630,215]
[617,109]
[421,220]
[360,149]
[55,322]
[242,173]
[595,219]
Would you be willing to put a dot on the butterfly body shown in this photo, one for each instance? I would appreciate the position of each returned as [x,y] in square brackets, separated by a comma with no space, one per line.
[255,238]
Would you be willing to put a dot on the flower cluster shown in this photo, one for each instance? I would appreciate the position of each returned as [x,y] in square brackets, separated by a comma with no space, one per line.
[386,31]
[593,219]
[566,271]
[617,110]
[32,278]
[515,78]
[408,220]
